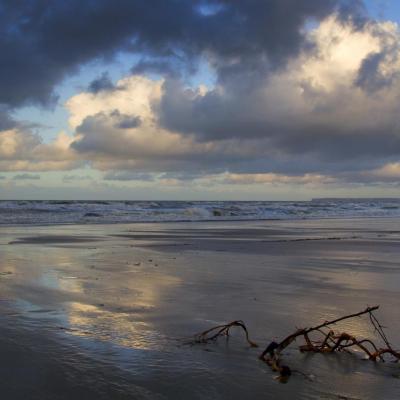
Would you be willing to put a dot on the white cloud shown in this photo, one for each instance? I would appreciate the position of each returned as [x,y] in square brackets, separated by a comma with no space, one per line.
[132,96]
[22,150]
[272,178]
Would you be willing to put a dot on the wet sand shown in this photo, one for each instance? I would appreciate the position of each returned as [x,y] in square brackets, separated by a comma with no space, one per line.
[104,311]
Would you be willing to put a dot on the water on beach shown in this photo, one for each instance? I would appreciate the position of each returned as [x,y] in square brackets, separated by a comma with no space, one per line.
[109,311]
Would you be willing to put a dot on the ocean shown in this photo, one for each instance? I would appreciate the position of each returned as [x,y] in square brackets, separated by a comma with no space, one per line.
[49,212]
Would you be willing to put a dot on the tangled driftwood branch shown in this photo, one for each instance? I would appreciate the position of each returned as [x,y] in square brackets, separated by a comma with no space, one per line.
[222,330]
[327,342]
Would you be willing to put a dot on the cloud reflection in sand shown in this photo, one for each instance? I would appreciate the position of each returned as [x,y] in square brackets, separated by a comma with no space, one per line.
[93,293]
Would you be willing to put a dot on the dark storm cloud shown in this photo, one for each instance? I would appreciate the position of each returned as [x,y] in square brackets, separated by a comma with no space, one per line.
[102,83]
[368,76]
[334,145]
[327,145]
[118,120]
[156,67]
[42,42]
[235,112]
[123,121]
[99,132]
[94,135]
[6,121]
[354,12]
[372,75]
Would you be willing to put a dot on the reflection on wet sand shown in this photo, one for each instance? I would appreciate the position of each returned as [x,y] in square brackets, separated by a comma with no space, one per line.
[105,300]
[95,322]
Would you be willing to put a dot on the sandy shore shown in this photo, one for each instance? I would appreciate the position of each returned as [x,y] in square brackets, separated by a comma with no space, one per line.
[102,311]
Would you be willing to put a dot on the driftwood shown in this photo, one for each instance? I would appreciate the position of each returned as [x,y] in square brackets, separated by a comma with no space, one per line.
[222,330]
[327,341]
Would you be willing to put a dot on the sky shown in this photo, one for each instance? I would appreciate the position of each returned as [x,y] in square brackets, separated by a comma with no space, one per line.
[201,99]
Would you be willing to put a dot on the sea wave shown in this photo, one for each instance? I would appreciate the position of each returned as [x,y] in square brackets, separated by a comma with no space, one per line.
[88,212]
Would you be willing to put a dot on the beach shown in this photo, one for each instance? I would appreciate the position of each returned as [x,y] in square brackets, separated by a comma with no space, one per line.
[200,200]
[107,311]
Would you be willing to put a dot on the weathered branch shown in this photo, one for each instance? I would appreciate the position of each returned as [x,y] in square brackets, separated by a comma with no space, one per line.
[329,342]
[222,330]
[302,332]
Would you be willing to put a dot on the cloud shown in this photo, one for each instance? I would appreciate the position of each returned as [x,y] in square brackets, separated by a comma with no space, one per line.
[123,121]
[379,70]
[97,132]
[102,83]
[23,150]
[388,173]
[272,178]
[391,170]
[161,67]
[76,178]
[6,121]
[43,43]
[311,121]
[129,176]
[144,147]
[318,107]
[129,136]
[24,177]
